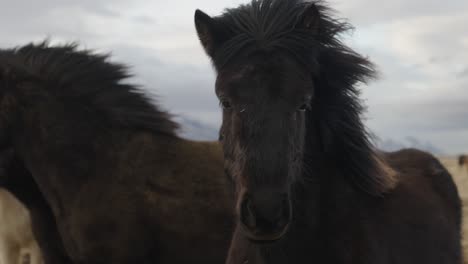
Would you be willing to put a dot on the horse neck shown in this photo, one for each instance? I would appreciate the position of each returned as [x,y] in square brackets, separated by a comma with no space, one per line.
[21,184]
[324,190]
[323,176]
[66,149]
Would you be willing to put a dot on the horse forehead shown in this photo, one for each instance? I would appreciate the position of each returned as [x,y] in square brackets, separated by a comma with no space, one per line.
[262,78]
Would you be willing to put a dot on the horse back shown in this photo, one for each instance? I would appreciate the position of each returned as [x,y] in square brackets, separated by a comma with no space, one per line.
[417,168]
[425,205]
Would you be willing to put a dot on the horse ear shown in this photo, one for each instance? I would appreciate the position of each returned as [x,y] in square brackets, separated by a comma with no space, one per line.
[310,18]
[207,32]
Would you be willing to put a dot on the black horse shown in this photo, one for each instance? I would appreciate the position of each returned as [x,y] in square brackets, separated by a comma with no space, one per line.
[120,184]
[310,187]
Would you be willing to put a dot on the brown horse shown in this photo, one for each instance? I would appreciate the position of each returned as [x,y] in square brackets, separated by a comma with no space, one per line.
[121,185]
[309,185]
[463,161]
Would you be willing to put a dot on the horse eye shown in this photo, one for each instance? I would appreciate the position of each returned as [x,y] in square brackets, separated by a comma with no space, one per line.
[225,104]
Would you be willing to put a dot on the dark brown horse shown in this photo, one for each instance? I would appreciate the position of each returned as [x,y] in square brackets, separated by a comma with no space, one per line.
[17,180]
[462,160]
[310,187]
[121,185]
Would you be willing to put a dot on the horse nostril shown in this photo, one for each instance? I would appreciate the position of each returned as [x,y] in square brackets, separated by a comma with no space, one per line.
[265,215]
[268,213]
[247,214]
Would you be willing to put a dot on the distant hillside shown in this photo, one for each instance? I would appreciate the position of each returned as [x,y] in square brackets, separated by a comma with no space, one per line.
[196,130]
[408,142]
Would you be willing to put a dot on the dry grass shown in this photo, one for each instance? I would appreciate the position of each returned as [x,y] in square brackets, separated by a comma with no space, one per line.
[461,179]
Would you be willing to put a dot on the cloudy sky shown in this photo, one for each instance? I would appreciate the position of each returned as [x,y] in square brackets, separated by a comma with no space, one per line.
[420,47]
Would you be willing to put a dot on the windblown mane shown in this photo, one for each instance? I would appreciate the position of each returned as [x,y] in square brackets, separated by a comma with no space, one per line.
[87,80]
[271,25]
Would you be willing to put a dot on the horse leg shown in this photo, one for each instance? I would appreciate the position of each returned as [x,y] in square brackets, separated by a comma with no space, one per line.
[25,257]
[35,256]
[10,253]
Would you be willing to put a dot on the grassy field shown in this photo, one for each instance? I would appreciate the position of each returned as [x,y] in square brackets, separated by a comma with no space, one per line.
[461,178]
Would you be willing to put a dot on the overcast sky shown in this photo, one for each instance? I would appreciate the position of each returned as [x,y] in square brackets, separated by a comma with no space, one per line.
[420,47]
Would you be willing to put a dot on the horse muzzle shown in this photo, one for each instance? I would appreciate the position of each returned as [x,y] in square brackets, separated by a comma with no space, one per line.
[265,216]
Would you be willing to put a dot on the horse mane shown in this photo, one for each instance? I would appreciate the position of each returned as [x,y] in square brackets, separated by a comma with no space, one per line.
[271,25]
[87,80]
